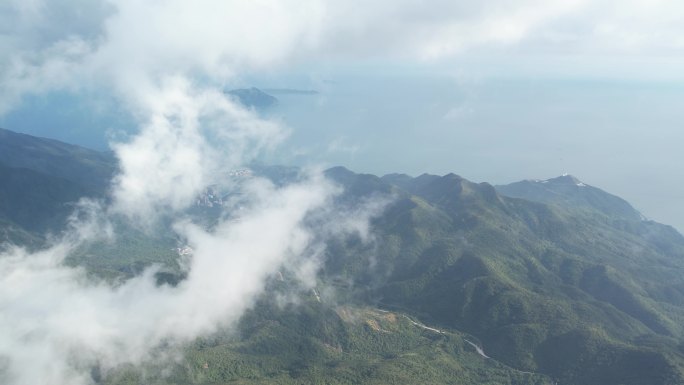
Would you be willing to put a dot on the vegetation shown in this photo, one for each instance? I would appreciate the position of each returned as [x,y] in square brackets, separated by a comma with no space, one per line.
[562,279]
[315,343]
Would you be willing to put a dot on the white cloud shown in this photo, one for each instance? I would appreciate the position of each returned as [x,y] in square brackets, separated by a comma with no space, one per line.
[191,137]
[342,145]
[123,44]
[57,322]
[166,65]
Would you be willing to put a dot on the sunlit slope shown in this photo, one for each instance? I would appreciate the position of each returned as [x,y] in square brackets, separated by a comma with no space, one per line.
[312,342]
[529,278]
[568,191]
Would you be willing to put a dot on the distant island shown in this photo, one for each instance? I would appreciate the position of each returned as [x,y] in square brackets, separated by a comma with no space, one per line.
[263,98]
[290,91]
[253,97]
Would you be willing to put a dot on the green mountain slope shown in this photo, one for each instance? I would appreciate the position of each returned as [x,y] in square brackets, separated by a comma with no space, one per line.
[88,168]
[568,191]
[35,201]
[315,342]
[40,182]
[555,278]
[524,276]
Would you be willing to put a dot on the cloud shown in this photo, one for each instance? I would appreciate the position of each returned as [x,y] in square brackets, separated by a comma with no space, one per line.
[58,322]
[127,45]
[166,65]
[413,30]
[342,145]
[190,138]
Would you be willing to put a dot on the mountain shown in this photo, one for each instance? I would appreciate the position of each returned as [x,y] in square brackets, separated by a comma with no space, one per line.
[42,179]
[315,342]
[554,281]
[568,191]
[579,292]
[85,167]
[253,97]
[37,202]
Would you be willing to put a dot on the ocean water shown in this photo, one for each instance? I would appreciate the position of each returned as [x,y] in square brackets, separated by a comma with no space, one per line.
[90,120]
[367,123]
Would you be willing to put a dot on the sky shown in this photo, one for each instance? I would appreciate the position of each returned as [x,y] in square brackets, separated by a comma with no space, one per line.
[497,91]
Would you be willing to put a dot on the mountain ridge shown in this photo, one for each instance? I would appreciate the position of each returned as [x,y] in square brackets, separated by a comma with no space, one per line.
[568,191]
